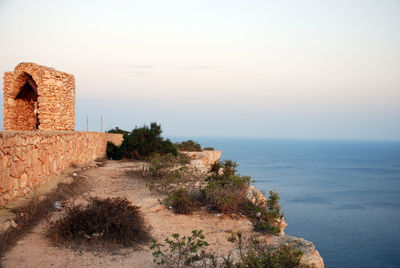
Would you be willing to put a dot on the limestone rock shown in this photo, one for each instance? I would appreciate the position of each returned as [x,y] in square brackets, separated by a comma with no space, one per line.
[8,224]
[310,254]
[204,159]
[258,198]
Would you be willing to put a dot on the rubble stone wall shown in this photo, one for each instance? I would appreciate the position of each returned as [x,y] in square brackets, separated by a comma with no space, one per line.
[29,158]
[55,97]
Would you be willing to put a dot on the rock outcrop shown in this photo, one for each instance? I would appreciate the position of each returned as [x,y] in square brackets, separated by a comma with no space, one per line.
[310,256]
[204,159]
[257,197]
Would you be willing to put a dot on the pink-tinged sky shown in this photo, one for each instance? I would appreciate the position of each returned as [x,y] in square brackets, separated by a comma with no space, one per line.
[286,69]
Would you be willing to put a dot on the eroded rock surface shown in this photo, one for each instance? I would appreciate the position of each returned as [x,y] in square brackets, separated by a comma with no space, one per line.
[204,159]
[311,255]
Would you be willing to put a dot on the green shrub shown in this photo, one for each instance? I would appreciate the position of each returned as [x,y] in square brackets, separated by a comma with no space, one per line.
[181,201]
[109,220]
[181,251]
[159,165]
[267,216]
[226,191]
[117,130]
[142,142]
[191,252]
[208,149]
[166,173]
[113,151]
[189,146]
[254,254]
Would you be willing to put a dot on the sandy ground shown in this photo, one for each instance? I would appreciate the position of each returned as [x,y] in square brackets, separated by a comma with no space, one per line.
[110,181]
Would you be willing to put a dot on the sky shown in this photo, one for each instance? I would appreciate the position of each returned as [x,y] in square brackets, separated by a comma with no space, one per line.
[274,69]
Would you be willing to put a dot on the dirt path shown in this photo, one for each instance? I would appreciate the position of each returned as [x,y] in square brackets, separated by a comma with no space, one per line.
[111,181]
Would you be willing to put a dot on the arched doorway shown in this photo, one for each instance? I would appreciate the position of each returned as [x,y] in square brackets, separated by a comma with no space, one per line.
[27,108]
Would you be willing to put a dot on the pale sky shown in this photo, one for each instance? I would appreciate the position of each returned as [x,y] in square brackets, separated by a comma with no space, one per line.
[283,69]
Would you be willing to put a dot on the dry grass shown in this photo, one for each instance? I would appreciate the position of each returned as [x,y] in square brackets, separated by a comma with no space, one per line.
[36,210]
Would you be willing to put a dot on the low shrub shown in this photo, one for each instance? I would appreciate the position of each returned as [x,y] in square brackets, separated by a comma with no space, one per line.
[226,191]
[103,221]
[255,254]
[227,194]
[166,173]
[113,151]
[182,251]
[208,149]
[159,165]
[189,146]
[182,201]
[37,209]
[266,217]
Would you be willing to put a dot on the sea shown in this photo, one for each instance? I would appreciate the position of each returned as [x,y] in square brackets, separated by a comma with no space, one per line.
[344,196]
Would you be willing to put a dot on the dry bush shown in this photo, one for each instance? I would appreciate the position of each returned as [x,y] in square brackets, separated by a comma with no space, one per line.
[102,221]
[36,210]
[182,201]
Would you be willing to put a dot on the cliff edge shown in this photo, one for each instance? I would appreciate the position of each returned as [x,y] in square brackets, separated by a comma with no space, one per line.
[203,161]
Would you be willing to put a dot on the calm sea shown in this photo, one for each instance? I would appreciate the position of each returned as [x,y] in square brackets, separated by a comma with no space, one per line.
[342,195]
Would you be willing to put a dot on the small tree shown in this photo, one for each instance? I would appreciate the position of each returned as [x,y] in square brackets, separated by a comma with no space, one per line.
[144,141]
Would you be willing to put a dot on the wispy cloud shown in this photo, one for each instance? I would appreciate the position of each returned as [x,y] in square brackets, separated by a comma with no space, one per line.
[196,67]
[139,66]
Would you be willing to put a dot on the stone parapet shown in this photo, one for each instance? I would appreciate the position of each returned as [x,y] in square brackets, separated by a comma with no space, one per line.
[29,158]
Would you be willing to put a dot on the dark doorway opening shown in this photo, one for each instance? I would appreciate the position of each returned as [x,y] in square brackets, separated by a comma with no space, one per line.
[28,108]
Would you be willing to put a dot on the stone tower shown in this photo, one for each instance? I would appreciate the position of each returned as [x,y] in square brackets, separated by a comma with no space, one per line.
[38,98]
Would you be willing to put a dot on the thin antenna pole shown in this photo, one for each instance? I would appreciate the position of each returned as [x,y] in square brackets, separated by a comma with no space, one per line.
[101,127]
[87,123]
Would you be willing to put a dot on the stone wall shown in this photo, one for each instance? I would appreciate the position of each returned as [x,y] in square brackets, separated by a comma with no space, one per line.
[52,91]
[29,158]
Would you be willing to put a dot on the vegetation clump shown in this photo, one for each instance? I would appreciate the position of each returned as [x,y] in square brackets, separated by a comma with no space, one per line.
[113,151]
[189,146]
[117,130]
[255,254]
[161,165]
[181,251]
[28,216]
[226,191]
[222,190]
[267,217]
[141,143]
[102,221]
[182,201]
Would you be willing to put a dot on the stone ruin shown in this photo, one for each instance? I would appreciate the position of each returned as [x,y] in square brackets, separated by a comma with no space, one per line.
[38,98]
